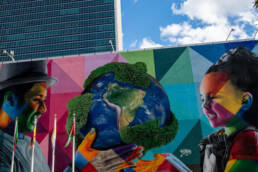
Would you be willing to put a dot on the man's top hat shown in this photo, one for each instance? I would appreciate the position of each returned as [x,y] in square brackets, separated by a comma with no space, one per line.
[12,74]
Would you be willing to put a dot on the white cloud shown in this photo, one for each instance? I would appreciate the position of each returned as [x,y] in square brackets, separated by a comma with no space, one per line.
[148,43]
[133,44]
[215,21]
[187,34]
[210,11]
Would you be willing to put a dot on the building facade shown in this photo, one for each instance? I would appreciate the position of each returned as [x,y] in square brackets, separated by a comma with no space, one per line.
[50,28]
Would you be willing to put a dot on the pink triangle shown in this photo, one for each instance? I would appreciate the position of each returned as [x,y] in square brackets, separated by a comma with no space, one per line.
[39,136]
[60,142]
[73,67]
[116,58]
[61,123]
[66,81]
[95,61]
[63,158]
[58,106]
[44,144]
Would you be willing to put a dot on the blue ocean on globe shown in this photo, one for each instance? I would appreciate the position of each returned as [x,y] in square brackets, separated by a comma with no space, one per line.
[116,105]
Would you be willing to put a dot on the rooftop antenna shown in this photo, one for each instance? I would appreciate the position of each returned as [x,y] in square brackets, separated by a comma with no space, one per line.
[111,43]
[232,29]
[11,54]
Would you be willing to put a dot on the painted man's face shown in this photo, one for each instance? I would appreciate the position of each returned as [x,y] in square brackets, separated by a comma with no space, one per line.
[35,100]
[221,99]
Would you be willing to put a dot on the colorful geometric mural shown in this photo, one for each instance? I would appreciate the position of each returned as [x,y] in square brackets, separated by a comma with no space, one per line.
[178,69]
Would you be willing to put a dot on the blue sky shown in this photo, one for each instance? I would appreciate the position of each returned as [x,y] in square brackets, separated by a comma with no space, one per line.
[156,23]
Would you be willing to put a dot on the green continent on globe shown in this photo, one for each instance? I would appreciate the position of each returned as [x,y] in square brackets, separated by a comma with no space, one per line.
[125,101]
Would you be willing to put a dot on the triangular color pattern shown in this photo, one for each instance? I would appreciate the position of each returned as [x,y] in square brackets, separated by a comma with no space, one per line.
[60,142]
[44,144]
[145,56]
[182,100]
[119,58]
[59,107]
[210,51]
[64,158]
[255,49]
[188,151]
[164,59]
[199,65]
[248,44]
[61,122]
[65,82]
[73,67]
[180,71]
[92,62]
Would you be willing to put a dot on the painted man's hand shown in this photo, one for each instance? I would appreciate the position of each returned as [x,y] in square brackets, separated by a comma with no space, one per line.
[89,159]
[11,105]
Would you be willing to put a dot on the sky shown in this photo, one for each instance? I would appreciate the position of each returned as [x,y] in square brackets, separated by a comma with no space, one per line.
[161,23]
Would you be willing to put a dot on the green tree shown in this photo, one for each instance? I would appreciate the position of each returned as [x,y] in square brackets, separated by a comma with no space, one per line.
[256,3]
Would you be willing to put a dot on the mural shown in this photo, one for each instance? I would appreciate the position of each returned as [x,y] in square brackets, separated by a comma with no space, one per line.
[179,70]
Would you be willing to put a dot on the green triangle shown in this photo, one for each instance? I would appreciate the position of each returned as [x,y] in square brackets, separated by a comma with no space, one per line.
[145,56]
[180,72]
[190,142]
[165,58]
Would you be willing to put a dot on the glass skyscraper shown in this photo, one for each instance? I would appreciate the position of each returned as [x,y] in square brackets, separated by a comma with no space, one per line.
[51,28]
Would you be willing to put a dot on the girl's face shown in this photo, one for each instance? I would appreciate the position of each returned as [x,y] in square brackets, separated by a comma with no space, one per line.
[221,99]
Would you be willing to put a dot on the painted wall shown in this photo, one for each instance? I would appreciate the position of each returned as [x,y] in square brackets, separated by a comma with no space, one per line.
[178,69]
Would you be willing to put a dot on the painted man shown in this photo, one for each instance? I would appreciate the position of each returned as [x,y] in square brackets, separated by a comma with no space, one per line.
[23,91]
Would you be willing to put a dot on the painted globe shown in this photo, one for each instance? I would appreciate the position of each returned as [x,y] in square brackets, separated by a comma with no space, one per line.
[116,105]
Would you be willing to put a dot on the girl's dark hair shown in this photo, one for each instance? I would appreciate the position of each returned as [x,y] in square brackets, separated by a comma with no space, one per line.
[242,66]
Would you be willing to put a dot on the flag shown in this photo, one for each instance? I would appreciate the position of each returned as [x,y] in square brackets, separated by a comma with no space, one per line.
[53,137]
[53,140]
[15,141]
[71,134]
[32,144]
[33,139]
[15,137]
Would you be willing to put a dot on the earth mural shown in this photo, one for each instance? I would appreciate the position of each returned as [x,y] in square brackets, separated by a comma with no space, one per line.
[116,106]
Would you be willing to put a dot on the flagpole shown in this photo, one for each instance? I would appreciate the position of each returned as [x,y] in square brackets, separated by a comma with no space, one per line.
[14,144]
[53,139]
[33,143]
[73,166]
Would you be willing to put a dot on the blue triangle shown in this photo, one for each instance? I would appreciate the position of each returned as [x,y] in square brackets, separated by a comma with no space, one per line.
[183,101]
[212,52]
[255,49]
[248,44]
[199,65]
